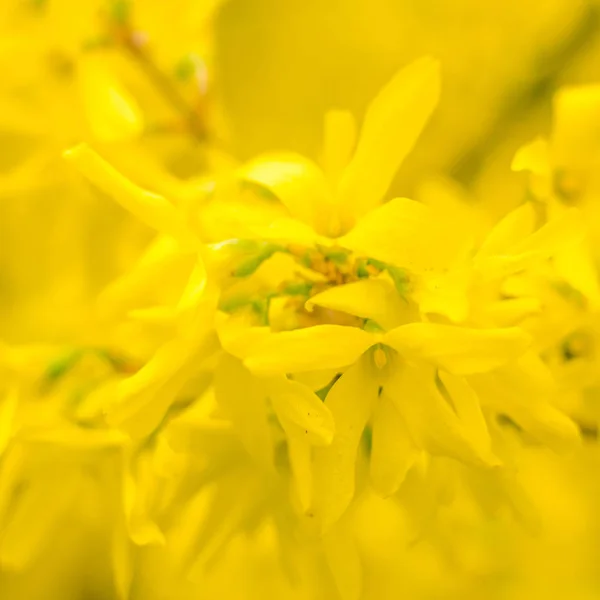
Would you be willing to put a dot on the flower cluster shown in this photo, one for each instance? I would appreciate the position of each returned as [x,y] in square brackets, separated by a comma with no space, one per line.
[303,387]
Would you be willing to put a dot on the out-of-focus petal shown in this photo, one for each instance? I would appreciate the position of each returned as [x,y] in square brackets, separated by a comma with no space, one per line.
[392,450]
[351,401]
[392,125]
[459,350]
[244,403]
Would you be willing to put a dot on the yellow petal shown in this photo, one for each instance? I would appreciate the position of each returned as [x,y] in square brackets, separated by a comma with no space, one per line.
[406,234]
[576,134]
[244,403]
[446,294]
[153,210]
[511,312]
[8,413]
[343,558]
[545,242]
[160,262]
[392,450]
[375,299]
[296,181]
[137,492]
[112,113]
[142,400]
[509,231]
[35,516]
[247,216]
[351,402]
[524,391]
[575,265]
[533,157]
[460,350]
[316,380]
[467,407]
[520,251]
[122,562]
[433,423]
[392,125]
[300,457]
[309,349]
[338,142]
[297,403]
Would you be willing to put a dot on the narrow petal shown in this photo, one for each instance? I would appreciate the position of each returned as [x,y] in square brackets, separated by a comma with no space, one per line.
[525,250]
[297,403]
[434,424]
[392,451]
[392,125]
[524,391]
[244,402]
[406,234]
[351,402]
[142,400]
[459,350]
[296,181]
[375,299]
[467,407]
[309,349]
[153,210]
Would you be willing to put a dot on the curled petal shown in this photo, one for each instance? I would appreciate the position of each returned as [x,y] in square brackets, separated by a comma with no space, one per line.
[152,209]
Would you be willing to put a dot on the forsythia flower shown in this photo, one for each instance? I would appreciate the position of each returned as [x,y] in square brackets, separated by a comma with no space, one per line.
[302,388]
